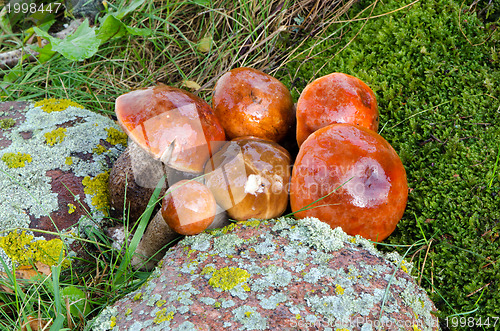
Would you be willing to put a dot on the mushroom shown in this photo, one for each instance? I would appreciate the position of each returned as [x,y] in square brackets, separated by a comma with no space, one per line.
[132,180]
[249,178]
[357,174]
[173,128]
[249,102]
[172,125]
[335,98]
[188,207]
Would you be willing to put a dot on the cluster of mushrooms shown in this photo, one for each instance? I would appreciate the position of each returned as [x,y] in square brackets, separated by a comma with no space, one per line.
[228,161]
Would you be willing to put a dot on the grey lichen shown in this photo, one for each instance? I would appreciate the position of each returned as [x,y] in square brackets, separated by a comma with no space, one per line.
[250,318]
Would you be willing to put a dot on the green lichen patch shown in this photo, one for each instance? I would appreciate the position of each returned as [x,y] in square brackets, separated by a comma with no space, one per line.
[16,160]
[7,123]
[51,105]
[55,136]
[36,176]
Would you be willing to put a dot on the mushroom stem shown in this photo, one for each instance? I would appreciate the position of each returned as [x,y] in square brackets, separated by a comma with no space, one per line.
[153,244]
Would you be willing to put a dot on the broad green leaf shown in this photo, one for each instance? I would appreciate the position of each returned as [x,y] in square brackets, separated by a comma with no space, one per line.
[80,45]
[76,299]
[138,31]
[111,27]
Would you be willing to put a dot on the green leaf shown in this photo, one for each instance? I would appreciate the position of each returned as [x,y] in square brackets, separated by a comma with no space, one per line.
[77,301]
[80,45]
[111,27]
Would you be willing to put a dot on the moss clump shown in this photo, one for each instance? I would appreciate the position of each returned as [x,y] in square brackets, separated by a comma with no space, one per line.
[439,107]
[51,105]
[98,187]
[55,136]
[116,137]
[7,123]
[228,277]
[16,160]
[22,249]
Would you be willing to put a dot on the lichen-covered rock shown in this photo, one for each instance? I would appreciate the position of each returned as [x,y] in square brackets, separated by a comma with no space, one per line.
[283,274]
[55,158]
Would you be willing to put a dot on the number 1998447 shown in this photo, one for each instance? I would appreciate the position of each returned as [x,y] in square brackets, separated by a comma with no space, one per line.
[470,322]
[31,8]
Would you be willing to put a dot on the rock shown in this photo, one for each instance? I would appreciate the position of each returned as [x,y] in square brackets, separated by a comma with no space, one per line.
[283,274]
[55,158]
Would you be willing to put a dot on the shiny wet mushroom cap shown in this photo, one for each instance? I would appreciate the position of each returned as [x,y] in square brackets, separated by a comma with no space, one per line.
[172,125]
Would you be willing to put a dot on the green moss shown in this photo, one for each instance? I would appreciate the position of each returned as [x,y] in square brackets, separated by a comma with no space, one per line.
[55,136]
[51,105]
[7,123]
[439,108]
[228,277]
[16,160]
[116,137]
[98,187]
[21,248]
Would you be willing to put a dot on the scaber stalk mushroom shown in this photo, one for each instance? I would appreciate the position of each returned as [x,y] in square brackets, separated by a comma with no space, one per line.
[176,128]
[249,102]
[153,244]
[249,178]
[335,98]
[132,180]
[188,207]
[172,125]
[359,176]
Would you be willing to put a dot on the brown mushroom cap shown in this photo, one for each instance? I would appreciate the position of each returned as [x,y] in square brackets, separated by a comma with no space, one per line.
[335,98]
[173,125]
[249,102]
[358,176]
[188,207]
[249,178]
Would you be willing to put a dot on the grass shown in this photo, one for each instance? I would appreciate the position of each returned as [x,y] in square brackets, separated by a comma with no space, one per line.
[439,109]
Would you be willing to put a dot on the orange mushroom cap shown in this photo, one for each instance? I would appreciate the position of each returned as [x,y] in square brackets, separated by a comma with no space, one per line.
[359,176]
[172,125]
[335,98]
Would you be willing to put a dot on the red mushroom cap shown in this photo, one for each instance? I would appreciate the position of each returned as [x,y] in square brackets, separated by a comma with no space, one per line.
[364,173]
[172,125]
[335,98]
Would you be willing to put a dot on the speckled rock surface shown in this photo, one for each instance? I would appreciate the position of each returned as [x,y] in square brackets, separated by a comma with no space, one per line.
[283,274]
[54,157]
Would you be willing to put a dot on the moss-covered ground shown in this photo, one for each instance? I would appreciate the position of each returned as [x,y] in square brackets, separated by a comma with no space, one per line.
[435,71]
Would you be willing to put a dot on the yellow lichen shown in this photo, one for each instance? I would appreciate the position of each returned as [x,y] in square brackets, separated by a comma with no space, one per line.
[71,208]
[16,160]
[339,290]
[7,123]
[69,160]
[128,312]
[113,321]
[99,149]
[298,316]
[228,277]
[207,270]
[217,305]
[98,187]
[21,248]
[160,303]
[138,296]
[116,137]
[161,316]
[50,105]
[248,314]
[55,136]
[403,266]
[416,328]
[252,223]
